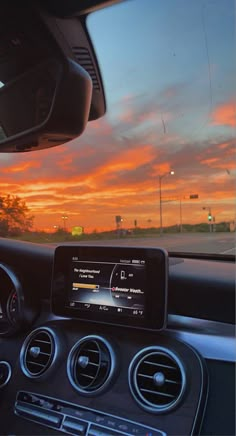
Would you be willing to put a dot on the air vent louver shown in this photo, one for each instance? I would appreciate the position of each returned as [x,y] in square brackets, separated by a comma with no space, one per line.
[83,58]
[38,352]
[90,364]
[157,379]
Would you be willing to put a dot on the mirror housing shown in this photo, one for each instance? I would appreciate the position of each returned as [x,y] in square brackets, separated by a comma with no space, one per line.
[45,96]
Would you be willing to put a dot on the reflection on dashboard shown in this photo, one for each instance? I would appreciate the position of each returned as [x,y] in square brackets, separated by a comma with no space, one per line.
[13,307]
[16,312]
[9,301]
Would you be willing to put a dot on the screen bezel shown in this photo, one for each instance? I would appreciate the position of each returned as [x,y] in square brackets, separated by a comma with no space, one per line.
[156,261]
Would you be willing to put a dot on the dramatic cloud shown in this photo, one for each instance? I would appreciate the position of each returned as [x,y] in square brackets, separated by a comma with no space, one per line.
[225,115]
[92,184]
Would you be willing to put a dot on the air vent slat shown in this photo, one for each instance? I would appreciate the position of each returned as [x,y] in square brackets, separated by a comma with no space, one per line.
[172,381]
[87,376]
[30,362]
[145,376]
[43,342]
[38,352]
[159,364]
[89,364]
[157,379]
[163,394]
[94,364]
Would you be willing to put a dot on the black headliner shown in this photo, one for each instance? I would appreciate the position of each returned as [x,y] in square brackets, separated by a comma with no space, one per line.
[65,8]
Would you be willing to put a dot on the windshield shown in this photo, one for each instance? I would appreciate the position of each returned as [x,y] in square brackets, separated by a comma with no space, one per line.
[159,168]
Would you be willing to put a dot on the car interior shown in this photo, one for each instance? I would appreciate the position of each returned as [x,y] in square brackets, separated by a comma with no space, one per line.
[99,339]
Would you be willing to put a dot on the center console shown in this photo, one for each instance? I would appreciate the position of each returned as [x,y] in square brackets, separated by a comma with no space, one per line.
[101,362]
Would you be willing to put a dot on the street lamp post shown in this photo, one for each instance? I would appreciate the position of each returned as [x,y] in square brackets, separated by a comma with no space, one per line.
[64,217]
[160,196]
[190,197]
[180,215]
[160,202]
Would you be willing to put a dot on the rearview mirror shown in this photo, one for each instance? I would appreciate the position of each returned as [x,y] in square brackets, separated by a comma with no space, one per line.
[45,99]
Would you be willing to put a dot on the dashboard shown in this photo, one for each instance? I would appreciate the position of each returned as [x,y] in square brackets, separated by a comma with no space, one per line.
[115,341]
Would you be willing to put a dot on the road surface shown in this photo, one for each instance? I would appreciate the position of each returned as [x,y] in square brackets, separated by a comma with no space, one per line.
[220,243]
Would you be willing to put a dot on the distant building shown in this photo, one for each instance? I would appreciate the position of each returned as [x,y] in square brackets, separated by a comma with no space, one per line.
[77,231]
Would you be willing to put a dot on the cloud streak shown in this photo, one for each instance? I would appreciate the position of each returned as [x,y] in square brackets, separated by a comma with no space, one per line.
[225,115]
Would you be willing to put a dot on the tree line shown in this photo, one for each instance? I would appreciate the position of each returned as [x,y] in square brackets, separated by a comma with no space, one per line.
[15,217]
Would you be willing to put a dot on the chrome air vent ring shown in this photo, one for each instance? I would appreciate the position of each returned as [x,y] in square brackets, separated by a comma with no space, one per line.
[5,373]
[38,352]
[91,365]
[157,379]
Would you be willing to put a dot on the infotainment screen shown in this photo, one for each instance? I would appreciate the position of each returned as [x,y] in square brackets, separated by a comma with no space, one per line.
[114,285]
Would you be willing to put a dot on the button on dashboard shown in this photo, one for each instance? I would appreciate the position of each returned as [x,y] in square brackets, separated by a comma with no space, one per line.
[77,420]
[78,412]
[99,431]
[38,415]
[75,426]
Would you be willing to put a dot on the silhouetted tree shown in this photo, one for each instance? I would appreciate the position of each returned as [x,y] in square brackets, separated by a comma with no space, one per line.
[15,216]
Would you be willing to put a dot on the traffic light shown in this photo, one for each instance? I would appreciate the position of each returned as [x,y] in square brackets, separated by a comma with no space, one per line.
[209,217]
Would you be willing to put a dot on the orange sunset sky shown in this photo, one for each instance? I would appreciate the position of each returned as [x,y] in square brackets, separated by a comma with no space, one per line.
[162,118]
[93,183]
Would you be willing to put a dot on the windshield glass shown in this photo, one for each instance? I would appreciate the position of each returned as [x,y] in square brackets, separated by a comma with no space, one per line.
[159,168]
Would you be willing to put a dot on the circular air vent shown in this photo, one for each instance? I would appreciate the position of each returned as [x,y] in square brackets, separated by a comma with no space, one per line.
[157,379]
[38,352]
[90,365]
